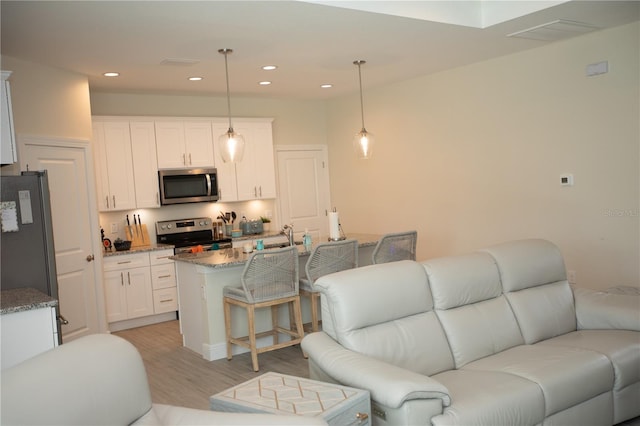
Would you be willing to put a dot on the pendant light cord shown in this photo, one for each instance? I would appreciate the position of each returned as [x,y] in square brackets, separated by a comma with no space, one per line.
[359,63]
[226,70]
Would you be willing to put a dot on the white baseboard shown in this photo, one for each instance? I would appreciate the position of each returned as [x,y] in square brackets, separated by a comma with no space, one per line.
[142,321]
[219,350]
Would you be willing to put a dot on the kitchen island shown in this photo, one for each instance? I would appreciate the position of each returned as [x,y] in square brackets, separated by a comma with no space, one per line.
[201,278]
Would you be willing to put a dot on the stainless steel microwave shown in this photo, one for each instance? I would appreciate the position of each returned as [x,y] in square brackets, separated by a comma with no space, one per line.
[188,186]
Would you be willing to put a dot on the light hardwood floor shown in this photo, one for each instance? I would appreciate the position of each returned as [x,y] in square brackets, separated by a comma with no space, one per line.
[179,376]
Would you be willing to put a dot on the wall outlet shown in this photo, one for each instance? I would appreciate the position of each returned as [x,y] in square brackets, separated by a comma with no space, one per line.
[571,277]
[114,228]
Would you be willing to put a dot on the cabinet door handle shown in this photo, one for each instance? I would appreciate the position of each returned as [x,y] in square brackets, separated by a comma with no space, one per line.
[164,276]
[107,197]
[260,191]
[123,262]
[114,201]
[184,159]
[189,158]
[121,279]
[166,300]
[255,191]
[63,320]
[129,277]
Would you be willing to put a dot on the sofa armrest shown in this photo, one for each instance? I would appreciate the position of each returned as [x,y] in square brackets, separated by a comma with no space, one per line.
[601,310]
[388,384]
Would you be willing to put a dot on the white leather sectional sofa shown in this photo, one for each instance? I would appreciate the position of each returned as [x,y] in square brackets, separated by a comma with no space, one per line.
[494,337]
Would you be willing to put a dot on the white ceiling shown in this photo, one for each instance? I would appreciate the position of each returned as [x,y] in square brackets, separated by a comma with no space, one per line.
[312,42]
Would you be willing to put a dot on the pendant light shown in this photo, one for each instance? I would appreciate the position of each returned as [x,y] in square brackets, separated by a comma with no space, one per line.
[363,141]
[231,143]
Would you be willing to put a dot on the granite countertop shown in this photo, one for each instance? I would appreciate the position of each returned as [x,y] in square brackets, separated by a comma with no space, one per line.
[267,234]
[236,256]
[24,299]
[139,249]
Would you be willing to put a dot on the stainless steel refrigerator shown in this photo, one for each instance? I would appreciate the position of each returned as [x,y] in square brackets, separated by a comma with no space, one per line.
[26,241]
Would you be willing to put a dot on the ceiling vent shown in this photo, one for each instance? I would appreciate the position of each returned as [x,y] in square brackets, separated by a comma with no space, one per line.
[555,30]
[178,62]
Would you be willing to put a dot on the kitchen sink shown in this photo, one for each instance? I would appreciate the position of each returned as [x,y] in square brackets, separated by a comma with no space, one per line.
[281,245]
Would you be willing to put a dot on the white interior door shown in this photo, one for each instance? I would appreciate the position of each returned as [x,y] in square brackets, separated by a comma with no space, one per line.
[74,231]
[303,189]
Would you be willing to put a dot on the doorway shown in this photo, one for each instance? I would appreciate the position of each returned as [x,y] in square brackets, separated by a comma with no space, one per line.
[303,188]
[75,230]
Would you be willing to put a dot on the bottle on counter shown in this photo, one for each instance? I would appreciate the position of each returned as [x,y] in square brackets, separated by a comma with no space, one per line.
[306,239]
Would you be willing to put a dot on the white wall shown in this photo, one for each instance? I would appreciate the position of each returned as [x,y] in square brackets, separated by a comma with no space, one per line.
[47,102]
[473,156]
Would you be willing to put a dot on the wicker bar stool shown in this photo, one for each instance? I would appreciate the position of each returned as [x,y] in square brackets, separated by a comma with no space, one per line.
[394,247]
[269,279]
[326,258]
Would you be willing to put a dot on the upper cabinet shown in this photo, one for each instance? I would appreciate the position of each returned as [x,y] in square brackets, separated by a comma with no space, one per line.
[114,165]
[184,143]
[8,153]
[145,164]
[256,172]
[253,177]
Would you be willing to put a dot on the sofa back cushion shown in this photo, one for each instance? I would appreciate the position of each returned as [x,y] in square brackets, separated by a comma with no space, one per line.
[534,280]
[98,379]
[386,311]
[469,302]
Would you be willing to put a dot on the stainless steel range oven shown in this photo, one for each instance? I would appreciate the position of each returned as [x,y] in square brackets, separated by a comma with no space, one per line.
[186,234]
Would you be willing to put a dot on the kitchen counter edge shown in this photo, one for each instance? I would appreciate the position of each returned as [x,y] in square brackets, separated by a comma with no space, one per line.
[24,299]
[139,249]
[225,258]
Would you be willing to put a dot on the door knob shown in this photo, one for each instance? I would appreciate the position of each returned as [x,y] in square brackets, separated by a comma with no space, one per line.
[90,258]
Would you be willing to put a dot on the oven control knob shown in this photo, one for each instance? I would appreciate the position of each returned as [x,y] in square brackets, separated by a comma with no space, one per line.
[162,226]
[201,223]
[169,226]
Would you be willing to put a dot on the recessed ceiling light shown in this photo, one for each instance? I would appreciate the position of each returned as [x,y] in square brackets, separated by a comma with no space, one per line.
[111,74]
[326,86]
[264,83]
[269,67]
[195,78]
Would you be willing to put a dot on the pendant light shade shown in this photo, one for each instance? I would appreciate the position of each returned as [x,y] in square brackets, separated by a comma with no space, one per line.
[363,141]
[231,143]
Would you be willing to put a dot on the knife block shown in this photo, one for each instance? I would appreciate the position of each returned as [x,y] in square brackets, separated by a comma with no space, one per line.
[138,235]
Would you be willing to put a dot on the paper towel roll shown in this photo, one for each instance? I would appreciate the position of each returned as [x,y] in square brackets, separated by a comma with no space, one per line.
[334,226]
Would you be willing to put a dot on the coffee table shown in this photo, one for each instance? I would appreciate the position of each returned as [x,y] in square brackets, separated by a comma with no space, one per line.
[281,394]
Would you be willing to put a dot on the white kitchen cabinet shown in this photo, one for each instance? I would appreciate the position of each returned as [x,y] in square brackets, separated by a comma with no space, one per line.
[254,176]
[145,163]
[128,288]
[8,151]
[163,280]
[184,143]
[114,165]
[26,334]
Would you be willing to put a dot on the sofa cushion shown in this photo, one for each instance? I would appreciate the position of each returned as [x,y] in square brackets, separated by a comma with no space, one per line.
[461,280]
[559,371]
[544,312]
[622,347]
[397,323]
[527,263]
[490,398]
[469,303]
[98,380]
[534,280]
[480,329]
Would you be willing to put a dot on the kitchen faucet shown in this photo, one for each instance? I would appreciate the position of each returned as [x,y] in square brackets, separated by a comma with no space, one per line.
[287,231]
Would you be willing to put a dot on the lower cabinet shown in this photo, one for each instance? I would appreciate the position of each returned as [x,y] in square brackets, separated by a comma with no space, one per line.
[139,285]
[26,334]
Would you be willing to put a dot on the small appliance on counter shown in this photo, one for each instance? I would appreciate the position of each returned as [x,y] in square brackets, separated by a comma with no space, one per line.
[190,235]
[251,227]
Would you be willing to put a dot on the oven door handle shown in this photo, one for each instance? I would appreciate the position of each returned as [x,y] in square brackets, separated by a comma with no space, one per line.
[208,177]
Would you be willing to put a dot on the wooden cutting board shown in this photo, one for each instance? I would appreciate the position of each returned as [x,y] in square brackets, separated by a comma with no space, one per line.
[138,235]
